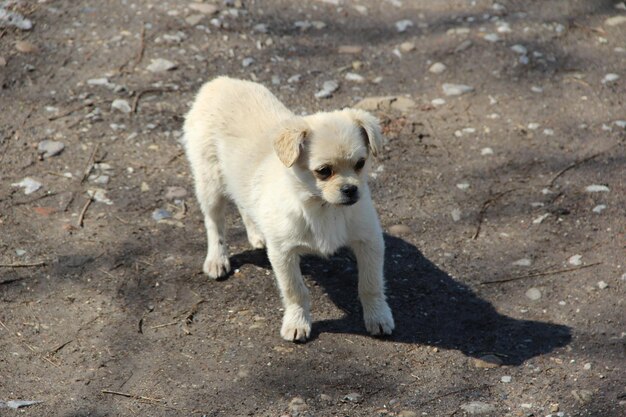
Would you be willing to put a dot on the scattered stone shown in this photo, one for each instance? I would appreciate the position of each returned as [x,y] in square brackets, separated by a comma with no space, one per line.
[478,407]
[194,19]
[533,293]
[548,132]
[486,151]
[161,65]
[144,187]
[615,20]
[328,88]
[506,379]
[121,105]
[297,405]
[100,196]
[523,262]
[582,396]
[247,61]
[456,89]
[596,188]
[533,126]
[29,185]
[620,123]
[161,214]
[26,47]
[554,407]
[520,49]
[609,78]
[173,193]
[438,102]
[50,148]
[541,218]
[403,25]
[456,215]
[599,208]
[326,398]
[15,404]
[205,8]
[407,46]
[353,397]
[260,27]
[318,24]
[487,362]
[20,252]
[536,89]
[177,37]
[294,79]
[350,49]
[399,230]
[351,76]
[575,260]
[602,285]
[458,31]
[491,37]
[437,68]
[407,413]
[100,179]
[3,62]
[11,18]
[463,186]
[466,44]
[504,27]
[386,103]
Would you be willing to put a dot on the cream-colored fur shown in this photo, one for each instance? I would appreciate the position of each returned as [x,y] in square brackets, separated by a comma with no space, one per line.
[244,144]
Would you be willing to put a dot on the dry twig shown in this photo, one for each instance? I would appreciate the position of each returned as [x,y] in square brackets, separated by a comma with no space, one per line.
[90,163]
[81,216]
[483,209]
[23,265]
[539,274]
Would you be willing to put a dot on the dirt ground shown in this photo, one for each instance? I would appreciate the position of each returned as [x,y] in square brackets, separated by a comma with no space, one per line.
[505,270]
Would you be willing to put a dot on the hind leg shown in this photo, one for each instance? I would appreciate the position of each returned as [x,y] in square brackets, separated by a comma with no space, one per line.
[209,189]
[255,237]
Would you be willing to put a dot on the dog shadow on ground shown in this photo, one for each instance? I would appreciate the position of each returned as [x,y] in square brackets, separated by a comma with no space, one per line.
[430,307]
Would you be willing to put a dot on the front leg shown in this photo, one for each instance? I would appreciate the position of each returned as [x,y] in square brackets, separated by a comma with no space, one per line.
[370,255]
[295,295]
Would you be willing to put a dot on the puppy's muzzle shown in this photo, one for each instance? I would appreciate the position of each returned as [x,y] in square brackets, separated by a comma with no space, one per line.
[350,194]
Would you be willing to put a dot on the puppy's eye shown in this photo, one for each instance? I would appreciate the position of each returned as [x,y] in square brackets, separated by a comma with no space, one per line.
[324,172]
[359,165]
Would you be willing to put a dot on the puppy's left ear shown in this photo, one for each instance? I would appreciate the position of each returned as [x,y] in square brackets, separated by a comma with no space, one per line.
[370,129]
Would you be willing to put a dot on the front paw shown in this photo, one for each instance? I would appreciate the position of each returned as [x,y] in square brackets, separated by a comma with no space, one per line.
[296,325]
[378,318]
[216,267]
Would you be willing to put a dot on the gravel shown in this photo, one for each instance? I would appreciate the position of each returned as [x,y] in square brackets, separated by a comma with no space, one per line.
[328,88]
[456,89]
[50,148]
[29,185]
[161,65]
[533,293]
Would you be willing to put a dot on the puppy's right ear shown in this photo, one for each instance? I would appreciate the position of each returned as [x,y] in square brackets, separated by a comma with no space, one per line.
[288,143]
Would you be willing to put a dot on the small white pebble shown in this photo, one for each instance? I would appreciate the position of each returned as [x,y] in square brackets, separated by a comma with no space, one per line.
[575,260]
[599,208]
[533,126]
[486,151]
[506,379]
[548,132]
[463,186]
[587,366]
[602,285]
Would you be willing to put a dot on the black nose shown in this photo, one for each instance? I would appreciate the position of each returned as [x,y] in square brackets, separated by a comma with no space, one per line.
[349,191]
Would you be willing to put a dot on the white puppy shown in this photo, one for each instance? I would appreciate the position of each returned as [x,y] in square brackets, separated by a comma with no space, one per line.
[300,184]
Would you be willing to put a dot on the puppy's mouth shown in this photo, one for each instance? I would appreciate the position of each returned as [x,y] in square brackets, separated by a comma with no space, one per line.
[349,202]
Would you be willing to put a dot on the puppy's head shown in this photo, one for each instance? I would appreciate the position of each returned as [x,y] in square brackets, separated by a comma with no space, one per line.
[330,153]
